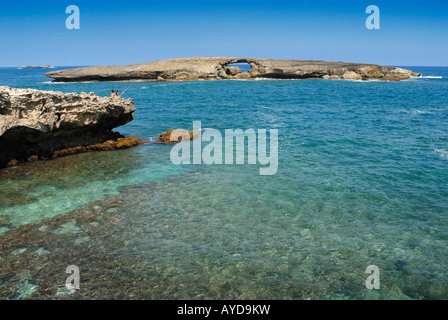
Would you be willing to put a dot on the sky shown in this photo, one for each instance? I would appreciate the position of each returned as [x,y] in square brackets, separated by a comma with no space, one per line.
[412,33]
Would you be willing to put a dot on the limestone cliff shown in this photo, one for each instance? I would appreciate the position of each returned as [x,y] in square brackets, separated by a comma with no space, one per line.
[37,123]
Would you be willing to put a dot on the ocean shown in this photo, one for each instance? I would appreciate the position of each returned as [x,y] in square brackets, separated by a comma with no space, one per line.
[362,180]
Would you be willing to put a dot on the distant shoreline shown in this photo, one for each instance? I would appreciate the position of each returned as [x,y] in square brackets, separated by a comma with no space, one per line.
[37,67]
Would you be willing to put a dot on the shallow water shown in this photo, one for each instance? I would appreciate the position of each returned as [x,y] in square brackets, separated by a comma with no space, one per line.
[362,180]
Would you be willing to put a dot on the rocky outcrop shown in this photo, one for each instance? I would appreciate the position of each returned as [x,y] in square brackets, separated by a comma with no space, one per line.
[217,68]
[41,124]
[37,67]
[177,135]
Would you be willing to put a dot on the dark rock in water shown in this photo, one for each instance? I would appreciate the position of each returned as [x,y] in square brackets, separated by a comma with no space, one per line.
[399,264]
[218,68]
[35,124]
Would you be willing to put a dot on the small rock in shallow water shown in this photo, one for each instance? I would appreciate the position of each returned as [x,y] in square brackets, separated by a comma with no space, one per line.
[69,227]
[42,252]
[43,228]
[177,135]
[82,240]
[111,210]
[18,251]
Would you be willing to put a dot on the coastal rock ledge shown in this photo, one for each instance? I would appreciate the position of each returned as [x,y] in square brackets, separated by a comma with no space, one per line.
[44,124]
[220,68]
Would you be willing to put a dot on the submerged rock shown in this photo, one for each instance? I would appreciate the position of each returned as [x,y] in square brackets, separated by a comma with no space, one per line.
[218,68]
[395,293]
[12,198]
[399,265]
[24,286]
[42,124]
[119,143]
[63,292]
[69,227]
[42,252]
[5,220]
[18,251]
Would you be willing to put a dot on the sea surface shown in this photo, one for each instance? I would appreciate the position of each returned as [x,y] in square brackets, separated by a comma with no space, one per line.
[362,180]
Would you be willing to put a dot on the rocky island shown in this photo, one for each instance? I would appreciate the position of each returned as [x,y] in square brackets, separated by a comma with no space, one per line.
[219,68]
[37,67]
[46,124]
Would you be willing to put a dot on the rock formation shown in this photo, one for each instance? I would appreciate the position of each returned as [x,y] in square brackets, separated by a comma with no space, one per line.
[42,124]
[37,67]
[217,68]
[177,135]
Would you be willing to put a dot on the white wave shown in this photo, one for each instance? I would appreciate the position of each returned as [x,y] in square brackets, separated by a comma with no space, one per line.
[430,77]
[443,154]
[264,79]
[53,82]
[74,82]
[422,112]
[273,79]
[362,81]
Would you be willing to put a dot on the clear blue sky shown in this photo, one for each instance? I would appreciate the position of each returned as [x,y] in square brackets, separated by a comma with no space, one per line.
[412,33]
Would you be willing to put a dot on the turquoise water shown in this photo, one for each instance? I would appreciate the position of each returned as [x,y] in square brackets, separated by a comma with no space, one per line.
[363,170]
